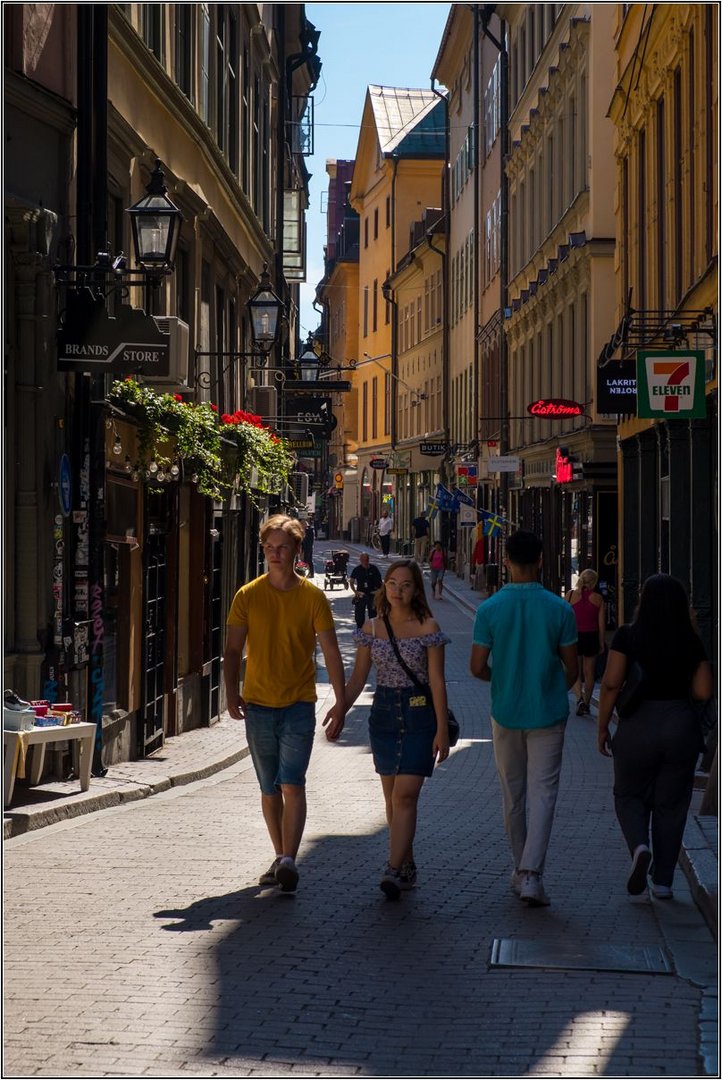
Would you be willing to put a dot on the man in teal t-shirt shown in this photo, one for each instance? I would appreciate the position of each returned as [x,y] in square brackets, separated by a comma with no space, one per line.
[531,636]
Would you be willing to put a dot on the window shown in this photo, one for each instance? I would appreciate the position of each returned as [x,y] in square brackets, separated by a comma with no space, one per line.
[374,324]
[184,48]
[387,314]
[366,232]
[365,411]
[710,126]
[374,407]
[152,15]
[418,318]
[376,223]
[677,182]
[583,150]
[387,403]
[641,298]
[625,229]
[388,211]
[691,193]
[661,209]
[551,179]
[245,123]
[366,311]
[205,102]
[571,150]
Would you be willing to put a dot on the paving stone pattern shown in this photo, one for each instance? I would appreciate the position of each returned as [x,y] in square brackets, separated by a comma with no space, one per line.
[138,944]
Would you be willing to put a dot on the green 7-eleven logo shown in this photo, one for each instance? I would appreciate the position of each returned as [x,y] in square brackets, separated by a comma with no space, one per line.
[670,385]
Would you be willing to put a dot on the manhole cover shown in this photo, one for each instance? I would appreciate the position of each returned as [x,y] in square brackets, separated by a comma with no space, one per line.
[509,952]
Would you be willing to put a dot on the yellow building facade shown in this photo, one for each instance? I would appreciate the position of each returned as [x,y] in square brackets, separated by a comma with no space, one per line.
[665,112]
[397,174]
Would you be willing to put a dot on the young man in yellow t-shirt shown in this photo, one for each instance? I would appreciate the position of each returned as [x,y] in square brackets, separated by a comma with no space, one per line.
[278,617]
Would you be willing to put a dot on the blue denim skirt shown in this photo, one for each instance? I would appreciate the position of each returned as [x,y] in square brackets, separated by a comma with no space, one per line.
[402,729]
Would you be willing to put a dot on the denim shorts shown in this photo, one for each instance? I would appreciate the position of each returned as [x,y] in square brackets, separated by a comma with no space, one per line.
[402,729]
[280,741]
[436,575]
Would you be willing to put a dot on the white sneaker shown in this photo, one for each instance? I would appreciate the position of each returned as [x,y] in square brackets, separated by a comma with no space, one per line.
[662,892]
[287,874]
[637,880]
[532,889]
[516,882]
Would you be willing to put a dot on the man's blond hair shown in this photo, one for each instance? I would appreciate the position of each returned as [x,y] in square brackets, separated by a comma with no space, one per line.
[291,526]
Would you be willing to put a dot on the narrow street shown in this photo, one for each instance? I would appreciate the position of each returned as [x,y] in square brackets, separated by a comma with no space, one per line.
[138,943]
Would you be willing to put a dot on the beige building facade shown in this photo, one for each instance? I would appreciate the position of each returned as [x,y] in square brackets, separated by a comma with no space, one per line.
[560,174]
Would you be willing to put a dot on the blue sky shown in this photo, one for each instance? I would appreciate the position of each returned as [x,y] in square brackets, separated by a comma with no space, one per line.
[389,44]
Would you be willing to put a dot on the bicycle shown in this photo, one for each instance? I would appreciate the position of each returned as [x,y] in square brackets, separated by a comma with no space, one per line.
[375,539]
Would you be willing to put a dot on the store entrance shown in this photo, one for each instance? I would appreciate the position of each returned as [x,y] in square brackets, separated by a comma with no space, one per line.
[152,713]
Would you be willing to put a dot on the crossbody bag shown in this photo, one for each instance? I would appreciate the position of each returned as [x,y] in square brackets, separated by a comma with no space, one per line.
[454,729]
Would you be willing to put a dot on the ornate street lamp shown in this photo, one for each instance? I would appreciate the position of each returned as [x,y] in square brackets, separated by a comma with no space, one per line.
[155,223]
[265,309]
[309,362]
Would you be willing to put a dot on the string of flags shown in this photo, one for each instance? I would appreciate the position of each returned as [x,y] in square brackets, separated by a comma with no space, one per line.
[451,501]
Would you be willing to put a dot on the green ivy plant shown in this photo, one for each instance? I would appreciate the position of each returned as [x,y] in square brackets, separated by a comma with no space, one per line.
[232,452]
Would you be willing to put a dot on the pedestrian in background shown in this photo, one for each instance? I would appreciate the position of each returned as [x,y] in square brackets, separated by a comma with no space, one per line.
[365,581]
[437,568]
[655,748]
[588,608]
[420,530]
[408,729]
[385,526]
[277,618]
[531,636]
[307,546]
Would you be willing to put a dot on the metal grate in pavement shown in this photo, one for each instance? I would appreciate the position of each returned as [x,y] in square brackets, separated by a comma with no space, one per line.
[513,952]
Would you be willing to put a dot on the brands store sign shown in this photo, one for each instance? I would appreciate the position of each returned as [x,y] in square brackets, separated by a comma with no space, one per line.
[127,344]
[670,385]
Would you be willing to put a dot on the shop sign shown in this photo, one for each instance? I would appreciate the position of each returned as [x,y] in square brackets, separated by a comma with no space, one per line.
[91,340]
[467,516]
[400,459]
[505,463]
[433,449]
[397,472]
[300,444]
[617,388]
[670,385]
[555,408]
[466,475]
[378,463]
[567,469]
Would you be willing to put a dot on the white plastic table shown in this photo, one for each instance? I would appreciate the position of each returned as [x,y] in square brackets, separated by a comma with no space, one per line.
[40,737]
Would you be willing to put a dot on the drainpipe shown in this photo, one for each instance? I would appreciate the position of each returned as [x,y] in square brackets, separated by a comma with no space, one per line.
[444,276]
[477,223]
[394,349]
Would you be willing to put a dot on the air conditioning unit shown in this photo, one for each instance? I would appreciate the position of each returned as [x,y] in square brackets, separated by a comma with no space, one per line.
[179,353]
[264,402]
[299,486]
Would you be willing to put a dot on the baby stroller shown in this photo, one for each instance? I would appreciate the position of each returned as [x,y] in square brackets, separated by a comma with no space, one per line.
[335,570]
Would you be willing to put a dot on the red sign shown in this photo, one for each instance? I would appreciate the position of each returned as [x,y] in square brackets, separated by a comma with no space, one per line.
[555,407]
[563,468]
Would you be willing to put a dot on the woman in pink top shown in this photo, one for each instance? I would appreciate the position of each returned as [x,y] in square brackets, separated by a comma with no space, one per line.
[437,566]
[588,609]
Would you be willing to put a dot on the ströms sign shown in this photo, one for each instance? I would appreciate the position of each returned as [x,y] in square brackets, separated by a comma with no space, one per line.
[555,407]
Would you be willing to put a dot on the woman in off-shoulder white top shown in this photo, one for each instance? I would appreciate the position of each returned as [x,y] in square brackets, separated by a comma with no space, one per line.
[408,726]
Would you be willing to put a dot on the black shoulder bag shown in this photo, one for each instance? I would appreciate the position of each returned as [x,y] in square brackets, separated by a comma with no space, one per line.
[454,729]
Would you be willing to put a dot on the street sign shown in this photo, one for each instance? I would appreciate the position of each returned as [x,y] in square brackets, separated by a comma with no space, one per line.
[507,463]
[433,449]
[318,386]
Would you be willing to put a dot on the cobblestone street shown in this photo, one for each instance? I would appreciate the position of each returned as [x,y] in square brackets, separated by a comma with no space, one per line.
[137,942]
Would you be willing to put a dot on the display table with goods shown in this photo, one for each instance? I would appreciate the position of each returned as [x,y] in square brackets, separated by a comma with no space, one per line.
[36,724]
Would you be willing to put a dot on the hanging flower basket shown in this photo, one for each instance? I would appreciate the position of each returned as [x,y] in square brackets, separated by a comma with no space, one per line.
[233,452]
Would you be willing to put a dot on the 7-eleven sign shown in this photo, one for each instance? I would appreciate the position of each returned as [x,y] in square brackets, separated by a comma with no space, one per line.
[670,385]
